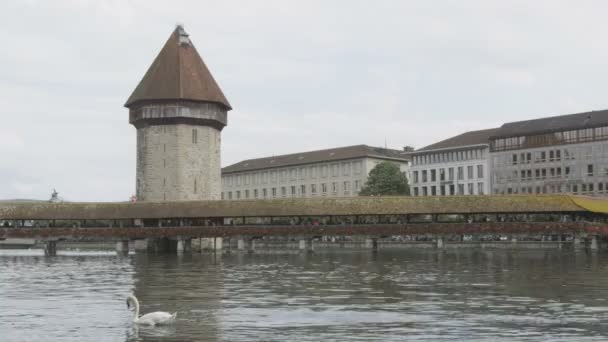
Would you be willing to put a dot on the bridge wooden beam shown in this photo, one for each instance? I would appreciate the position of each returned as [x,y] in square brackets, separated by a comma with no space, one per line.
[503,228]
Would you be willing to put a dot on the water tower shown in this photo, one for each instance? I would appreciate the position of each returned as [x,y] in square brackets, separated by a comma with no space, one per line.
[179,112]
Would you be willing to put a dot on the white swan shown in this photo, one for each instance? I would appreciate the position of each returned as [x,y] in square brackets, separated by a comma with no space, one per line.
[152,318]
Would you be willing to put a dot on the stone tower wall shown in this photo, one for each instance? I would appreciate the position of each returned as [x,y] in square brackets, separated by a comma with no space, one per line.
[178,162]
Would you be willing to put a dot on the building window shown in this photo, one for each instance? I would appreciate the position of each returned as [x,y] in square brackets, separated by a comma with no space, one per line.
[357,185]
[324,188]
[274,192]
[590,170]
[264,193]
[313,189]
[433,190]
[470,172]
[335,170]
[433,175]
[415,191]
[324,171]
[283,191]
[424,191]
[514,159]
[470,188]
[424,176]
[346,187]
[442,190]
[415,177]
[293,191]
[246,194]
[452,189]
[229,195]
[480,171]
[461,189]
[441,175]
[480,188]
[460,173]
[451,173]
[334,187]
[238,195]
[194,136]
[357,166]
[303,190]
[345,169]
[194,185]
[255,193]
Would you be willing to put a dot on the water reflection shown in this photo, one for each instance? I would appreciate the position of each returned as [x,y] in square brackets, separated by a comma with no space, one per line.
[430,295]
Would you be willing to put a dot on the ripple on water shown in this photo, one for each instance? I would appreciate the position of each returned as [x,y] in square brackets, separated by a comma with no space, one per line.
[390,296]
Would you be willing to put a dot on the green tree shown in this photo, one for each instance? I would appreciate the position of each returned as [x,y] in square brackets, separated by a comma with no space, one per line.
[386,179]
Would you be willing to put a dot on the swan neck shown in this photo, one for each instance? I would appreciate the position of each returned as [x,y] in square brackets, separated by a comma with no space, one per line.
[136,303]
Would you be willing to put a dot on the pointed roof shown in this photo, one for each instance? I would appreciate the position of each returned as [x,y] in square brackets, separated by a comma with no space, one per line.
[178,73]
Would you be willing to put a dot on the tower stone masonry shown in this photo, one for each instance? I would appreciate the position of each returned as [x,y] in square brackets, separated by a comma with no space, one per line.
[179,112]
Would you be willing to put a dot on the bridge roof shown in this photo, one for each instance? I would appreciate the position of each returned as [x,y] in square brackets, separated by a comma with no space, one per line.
[304,207]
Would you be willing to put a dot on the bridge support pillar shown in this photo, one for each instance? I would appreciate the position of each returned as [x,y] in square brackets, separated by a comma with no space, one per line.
[214,244]
[122,247]
[576,243]
[184,246]
[50,248]
[159,245]
[217,244]
[440,242]
[140,245]
[593,246]
[371,243]
[306,245]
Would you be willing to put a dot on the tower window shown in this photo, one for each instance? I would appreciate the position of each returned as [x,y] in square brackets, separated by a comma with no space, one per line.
[194,136]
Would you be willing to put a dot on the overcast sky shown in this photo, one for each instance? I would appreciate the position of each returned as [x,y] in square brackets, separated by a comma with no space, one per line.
[300,75]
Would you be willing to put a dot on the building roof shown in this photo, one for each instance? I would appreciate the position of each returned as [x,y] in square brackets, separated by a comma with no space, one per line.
[553,124]
[397,205]
[178,73]
[465,139]
[333,154]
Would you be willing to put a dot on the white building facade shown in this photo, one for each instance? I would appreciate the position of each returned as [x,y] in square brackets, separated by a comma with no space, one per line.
[455,166]
[339,172]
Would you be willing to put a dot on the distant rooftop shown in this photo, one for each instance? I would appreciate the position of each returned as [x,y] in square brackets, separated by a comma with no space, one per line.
[465,139]
[333,154]
[553,124]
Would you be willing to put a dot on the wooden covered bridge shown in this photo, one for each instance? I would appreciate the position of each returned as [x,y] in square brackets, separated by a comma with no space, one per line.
[578,219]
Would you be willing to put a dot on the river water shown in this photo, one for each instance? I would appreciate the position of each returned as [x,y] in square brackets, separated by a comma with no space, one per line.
[423,295]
